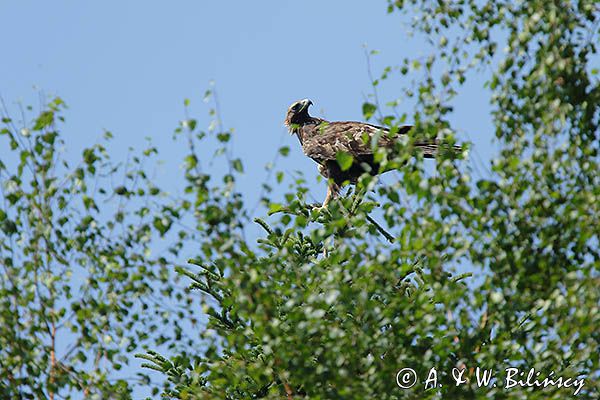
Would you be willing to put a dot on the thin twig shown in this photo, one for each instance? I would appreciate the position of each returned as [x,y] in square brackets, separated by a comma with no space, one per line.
[372,81]
[385,233]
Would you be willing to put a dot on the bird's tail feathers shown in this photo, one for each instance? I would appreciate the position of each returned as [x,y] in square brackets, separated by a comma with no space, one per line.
[430,149]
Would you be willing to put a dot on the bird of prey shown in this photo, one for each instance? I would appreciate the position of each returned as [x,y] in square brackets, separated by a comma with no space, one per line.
[322,140]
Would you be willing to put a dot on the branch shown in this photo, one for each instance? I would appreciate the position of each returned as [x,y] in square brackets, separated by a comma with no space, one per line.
[385,233]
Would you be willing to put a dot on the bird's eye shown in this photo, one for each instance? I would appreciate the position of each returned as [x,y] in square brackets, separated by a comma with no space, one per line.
[295,107]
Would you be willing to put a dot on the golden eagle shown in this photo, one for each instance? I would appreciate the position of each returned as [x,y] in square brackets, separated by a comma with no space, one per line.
[322,141]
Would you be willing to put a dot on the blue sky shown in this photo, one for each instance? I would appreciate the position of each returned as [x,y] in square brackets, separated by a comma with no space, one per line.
[127,67]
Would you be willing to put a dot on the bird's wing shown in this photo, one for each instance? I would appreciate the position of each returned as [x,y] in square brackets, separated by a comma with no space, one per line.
[322,142]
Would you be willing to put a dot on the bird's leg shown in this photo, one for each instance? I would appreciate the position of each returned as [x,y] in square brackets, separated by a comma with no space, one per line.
[332,192]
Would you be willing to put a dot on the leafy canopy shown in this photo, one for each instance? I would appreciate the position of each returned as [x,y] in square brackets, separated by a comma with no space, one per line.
[289,321]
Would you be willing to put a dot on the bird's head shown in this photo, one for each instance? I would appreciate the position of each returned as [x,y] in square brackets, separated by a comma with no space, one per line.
[297,114]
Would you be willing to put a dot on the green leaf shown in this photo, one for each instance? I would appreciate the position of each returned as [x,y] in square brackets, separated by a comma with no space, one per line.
[224,137]
[284,151]
[368,110]
[237,165]
[9,227]
[344,160]
[275,207]
[46,118]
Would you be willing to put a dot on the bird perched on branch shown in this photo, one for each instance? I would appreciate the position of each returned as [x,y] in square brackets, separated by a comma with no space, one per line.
[324,141]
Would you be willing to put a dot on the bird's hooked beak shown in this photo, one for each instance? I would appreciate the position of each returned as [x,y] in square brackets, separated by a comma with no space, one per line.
[305,104]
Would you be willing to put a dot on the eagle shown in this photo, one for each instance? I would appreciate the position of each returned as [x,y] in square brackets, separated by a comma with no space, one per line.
[322,141]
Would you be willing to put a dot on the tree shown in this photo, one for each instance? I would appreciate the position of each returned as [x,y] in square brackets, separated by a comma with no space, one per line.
[287,321]
[80,288]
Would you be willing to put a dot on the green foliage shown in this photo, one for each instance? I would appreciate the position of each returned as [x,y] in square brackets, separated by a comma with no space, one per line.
[368,110]
[323,308]
[345,160]
[80,287]
[329,303]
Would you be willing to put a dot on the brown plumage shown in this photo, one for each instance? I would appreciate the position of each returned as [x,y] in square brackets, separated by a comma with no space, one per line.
[321,140]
